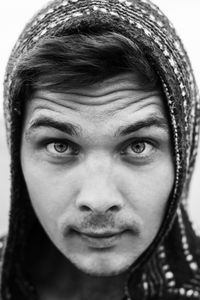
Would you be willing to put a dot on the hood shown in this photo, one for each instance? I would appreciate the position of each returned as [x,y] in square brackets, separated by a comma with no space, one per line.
[136,19]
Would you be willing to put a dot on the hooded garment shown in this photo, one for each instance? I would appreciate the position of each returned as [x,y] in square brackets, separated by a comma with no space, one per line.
[170,267]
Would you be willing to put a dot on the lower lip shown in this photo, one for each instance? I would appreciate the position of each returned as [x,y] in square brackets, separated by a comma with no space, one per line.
[101,242]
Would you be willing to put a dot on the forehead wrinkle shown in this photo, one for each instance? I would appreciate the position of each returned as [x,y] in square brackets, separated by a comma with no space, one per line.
[71,99]
[142,104]
[46,111]
[121,104]
[145,105]
[85,100]
[126,81]
[47,104]
[115,97]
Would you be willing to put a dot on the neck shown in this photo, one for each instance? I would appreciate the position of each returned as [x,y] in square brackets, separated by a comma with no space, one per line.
[99,287]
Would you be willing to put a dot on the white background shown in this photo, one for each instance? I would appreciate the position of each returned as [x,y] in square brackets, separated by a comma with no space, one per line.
[184,14]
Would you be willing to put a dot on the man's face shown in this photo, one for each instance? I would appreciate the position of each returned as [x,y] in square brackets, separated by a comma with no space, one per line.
[99,169]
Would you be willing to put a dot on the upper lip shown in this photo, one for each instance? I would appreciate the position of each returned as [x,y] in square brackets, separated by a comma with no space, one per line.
[102,234]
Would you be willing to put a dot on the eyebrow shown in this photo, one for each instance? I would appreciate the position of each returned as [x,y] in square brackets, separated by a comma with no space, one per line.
[66,127]
[156,121]
[75,130]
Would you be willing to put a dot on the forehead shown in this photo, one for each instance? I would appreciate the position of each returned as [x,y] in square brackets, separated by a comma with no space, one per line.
[116,100]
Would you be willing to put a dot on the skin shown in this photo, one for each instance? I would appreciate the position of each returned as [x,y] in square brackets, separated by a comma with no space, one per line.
[100,194]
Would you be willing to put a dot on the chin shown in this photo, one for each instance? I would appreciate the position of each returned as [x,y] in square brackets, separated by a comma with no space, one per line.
[102,266]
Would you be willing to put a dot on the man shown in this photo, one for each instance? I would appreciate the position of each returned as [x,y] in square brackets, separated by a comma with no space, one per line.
[102,119]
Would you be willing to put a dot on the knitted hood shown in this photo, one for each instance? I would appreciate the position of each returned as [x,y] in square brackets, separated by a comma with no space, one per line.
[158,273]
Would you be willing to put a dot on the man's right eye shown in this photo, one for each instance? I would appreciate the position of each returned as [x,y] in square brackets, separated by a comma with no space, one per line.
[62,148]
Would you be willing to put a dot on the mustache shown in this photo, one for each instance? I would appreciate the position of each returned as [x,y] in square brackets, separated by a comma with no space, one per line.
[98,223]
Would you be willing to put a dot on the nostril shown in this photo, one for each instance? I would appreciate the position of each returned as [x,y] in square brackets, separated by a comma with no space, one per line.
[84,208]
[114,208]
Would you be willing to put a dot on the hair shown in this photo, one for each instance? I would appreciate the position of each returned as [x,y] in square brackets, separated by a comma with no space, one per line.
[79,60]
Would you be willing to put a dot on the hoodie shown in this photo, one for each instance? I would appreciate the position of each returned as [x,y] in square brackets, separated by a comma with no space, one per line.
[170,267]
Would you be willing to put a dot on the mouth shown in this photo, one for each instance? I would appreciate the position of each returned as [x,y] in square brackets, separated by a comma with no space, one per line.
[100,240]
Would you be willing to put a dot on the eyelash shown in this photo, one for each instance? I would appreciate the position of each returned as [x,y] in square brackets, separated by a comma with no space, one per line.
[123,150]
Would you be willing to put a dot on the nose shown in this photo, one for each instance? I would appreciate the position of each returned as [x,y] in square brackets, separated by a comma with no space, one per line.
[99,196]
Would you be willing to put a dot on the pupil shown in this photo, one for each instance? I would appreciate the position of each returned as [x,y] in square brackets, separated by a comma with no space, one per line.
[59,147]
[138,148]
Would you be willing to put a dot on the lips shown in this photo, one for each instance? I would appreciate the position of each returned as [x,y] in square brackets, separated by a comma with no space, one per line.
[104,234]
[100,240]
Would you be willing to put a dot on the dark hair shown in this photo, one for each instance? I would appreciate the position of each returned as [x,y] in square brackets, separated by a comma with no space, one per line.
[79,60]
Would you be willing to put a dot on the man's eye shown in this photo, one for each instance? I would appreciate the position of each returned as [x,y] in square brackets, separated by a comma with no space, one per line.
[62,148]
[139,149]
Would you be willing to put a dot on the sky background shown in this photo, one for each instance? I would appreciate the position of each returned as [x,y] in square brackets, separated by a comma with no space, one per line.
[184,14]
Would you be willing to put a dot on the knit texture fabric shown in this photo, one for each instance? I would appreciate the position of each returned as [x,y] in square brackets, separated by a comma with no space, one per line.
[170,268]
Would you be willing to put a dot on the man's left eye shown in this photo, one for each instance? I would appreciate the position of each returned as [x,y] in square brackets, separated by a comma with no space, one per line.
[138,149]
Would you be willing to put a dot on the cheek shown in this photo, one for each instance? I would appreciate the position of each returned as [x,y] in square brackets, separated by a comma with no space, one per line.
[147,191]
[51,190]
